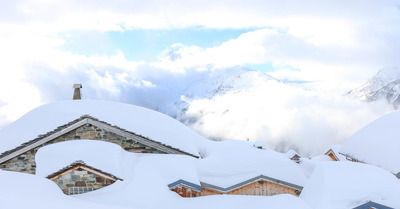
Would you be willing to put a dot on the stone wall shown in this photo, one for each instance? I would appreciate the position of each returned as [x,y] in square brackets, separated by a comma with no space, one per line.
[26,162]
[80,181]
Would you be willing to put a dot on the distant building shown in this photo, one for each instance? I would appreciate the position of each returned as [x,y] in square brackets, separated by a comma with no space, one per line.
[185,188]
[372,205]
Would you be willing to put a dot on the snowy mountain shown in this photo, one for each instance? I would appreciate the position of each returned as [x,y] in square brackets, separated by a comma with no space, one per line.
[216,84]
[385,85]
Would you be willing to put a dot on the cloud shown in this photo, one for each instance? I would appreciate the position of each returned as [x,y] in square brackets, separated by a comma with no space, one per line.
[283,116]
[330,46]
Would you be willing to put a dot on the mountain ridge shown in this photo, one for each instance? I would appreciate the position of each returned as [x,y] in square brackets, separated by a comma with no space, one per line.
[385,85]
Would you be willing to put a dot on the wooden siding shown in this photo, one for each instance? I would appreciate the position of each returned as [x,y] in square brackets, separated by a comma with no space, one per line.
[258,188]
[263,188]
[332,155]
[207,191]
[184,191]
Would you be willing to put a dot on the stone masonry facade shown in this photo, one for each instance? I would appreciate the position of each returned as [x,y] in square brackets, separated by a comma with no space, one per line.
[26,162]
[81,181]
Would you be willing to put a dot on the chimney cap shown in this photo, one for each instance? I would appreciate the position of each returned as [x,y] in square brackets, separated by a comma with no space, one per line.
[77,86]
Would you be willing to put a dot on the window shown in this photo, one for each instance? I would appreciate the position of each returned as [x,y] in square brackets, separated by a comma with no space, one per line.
[79,190]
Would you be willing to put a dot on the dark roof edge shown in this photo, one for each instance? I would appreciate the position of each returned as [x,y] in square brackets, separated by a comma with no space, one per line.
[65,126]
[81,163]
[185,183]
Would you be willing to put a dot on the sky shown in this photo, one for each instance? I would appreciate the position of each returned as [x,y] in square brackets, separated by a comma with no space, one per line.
[148,52]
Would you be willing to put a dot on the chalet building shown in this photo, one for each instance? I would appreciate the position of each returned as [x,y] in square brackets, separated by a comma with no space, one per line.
[22,158]
[372,205]
[185,188]
[259,186]
[332,155]
[79,178]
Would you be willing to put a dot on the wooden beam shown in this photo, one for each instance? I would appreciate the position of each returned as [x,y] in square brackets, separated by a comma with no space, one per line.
[85,168]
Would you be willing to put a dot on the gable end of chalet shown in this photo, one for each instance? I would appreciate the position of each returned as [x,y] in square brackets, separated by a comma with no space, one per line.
[78,178]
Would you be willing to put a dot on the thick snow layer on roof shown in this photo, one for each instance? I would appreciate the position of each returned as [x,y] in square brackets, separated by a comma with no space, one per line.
[344,185]
[107,157]
[19,190]
[139,120]
[146,187]
[146,176]
[232,162]
[378,143]
[308,165]
[111,158]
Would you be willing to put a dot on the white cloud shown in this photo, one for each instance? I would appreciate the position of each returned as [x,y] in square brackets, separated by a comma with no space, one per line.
[284,117]
[336,45]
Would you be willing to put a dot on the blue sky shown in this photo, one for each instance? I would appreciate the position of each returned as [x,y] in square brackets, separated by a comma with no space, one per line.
[144,45]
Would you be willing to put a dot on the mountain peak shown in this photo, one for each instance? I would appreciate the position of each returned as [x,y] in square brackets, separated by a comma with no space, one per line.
[385,85]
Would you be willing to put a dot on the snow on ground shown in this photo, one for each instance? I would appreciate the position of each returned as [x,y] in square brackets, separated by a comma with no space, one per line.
[378,143]
[344,185]
[143,191]
[19,190]
[139,120]
[146,176]
[147,187]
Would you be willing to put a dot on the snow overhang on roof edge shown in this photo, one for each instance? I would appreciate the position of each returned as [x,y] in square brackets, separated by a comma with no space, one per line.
[83,120]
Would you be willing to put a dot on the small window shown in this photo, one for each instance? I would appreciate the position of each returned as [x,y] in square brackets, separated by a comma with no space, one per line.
[79,190]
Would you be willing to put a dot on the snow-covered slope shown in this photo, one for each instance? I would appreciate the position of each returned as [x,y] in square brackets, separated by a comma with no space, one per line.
[385,85]
[19,190]
[378,143]
[148,123]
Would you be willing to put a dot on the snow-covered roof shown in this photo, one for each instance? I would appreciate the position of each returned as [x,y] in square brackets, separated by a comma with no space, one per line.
[370,204]
[346,185]
[142,121]
[51,158]
[378,143]
[81,165]
[142,193]
[232,162]
[181,182]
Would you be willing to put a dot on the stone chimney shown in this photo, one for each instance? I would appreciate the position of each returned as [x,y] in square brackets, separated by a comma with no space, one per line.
[77,91]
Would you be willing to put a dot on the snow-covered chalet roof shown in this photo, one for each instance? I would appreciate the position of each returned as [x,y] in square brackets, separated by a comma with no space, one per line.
[232,163]
[148,123]
[378,143]
[346,185]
